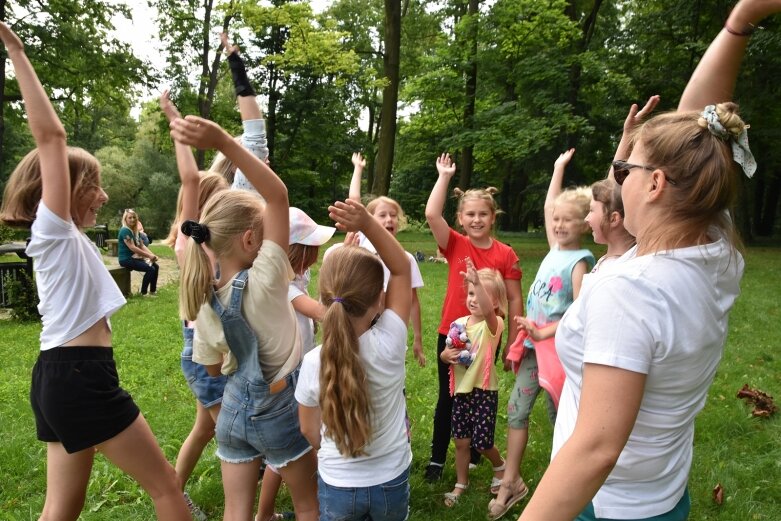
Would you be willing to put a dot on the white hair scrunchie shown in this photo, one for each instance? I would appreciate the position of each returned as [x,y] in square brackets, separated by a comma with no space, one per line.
[740,150]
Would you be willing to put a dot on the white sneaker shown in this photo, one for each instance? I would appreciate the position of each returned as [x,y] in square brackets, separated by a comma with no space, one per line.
[197,513]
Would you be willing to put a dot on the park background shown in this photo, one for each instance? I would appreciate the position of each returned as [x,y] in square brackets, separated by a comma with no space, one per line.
[504,85]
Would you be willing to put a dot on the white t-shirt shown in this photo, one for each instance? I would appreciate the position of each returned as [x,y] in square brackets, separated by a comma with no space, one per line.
[74,286]
[664,316]
[388,454]
[267,311]
[363,242]
[298,287]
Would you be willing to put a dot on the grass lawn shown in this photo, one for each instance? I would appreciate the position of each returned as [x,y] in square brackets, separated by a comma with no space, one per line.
[732,448]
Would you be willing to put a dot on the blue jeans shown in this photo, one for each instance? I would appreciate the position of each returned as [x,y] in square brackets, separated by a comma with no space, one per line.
[150,273]
[387,501]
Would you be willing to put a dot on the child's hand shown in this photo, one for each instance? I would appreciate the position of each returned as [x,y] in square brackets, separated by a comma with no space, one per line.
[352,239]
[449,355]
[226,45]
[198,132]
[10,40]
[349,215]
[169,109]
[358,160]
[564,158]
[470,275]
[445,166]
[530,327]
[636,117]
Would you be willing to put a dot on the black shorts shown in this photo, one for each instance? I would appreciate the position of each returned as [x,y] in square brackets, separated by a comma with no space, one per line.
[76,397]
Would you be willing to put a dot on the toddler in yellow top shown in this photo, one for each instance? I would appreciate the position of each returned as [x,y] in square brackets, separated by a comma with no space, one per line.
[473,379]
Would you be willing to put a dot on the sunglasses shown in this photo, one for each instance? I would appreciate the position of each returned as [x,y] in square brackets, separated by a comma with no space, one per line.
[621,170]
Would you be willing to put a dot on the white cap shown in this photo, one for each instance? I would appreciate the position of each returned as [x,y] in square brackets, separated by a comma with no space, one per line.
[303,230]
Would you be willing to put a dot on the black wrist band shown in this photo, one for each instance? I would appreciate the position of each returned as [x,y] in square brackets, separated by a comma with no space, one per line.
[241,83]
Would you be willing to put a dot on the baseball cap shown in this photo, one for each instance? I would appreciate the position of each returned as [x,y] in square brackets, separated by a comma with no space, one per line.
[303,230]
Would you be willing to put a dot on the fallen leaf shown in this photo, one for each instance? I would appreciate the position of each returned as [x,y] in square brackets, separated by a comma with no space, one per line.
[762,402]
[718,494]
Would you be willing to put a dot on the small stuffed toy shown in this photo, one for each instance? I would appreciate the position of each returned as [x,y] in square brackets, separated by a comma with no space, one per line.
[457,339]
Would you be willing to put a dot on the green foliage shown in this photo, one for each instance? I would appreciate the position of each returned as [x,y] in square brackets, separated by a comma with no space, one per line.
[22,296]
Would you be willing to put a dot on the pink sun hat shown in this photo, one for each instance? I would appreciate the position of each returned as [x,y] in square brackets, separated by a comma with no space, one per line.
[303,230]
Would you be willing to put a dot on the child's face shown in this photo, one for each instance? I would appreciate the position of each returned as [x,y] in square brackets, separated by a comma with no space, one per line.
[568,226]
[473,305]
[477,218]
[85,204]
[597,220]
[388,217]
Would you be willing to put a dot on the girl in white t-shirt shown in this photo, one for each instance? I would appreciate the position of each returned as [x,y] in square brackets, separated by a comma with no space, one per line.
[246,328]
[641,345]
[351,390]
[78,404]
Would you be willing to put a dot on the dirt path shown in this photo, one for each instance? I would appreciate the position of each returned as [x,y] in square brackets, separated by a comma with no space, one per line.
[169,272]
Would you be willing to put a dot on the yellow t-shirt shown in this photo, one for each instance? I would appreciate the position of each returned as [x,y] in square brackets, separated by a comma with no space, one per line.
[267,311]
[468,378]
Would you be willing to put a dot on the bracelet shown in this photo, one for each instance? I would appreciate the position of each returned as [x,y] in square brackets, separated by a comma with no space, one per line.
[745,32]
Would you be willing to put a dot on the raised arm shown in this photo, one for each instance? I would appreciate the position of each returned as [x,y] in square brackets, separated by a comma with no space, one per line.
[359,163]
[635,117]
[248,105]
[45,127]
[483,299]
[446,168]
[713,81]
[352,216]
[202,133]
[554,189]
[185,163]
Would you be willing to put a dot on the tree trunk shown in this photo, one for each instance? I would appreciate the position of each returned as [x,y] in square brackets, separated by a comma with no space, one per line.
[390,95]
[208,81]
[273,93]
[467,155]
[576,69]
[769,203]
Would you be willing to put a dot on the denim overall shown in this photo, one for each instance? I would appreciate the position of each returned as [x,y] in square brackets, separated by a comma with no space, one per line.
[257,418]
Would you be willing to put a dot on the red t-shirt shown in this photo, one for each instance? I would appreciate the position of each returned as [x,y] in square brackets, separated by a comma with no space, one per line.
[498,256]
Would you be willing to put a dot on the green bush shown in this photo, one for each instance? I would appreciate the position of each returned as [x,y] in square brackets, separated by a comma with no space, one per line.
[23,297]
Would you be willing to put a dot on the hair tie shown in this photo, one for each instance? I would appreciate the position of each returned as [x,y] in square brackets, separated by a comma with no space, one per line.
[741,153]
[199,232]
[340,300]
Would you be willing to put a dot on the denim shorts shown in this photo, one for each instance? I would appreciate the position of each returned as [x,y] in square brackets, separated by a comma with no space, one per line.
[207,389]
[388,501]
[253,423]
[76,397]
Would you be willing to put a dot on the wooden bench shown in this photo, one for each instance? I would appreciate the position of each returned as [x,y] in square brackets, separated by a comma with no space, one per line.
[112,245]
[122,277]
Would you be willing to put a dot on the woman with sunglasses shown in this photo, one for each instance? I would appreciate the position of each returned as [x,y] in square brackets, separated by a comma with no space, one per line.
[642,343]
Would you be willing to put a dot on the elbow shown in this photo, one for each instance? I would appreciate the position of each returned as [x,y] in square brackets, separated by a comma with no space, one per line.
[50,135]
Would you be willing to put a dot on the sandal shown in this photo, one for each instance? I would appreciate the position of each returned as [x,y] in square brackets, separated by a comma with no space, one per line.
[451,498]
[497,482]
[497,509]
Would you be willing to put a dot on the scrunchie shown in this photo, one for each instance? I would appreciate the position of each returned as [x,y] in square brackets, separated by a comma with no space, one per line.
[741,153]
[199,232]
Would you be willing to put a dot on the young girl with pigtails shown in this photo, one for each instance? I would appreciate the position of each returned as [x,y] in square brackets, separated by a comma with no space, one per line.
[246,327]
[351,389]
[476,214]
[471,346]
[77,402]
[197,187]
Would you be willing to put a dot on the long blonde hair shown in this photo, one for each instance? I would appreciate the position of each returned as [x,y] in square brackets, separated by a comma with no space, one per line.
[227,215]
[208,184]
[494,285]
[23,190]
[350,283]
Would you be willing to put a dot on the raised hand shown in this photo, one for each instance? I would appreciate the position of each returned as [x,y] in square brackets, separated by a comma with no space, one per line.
[349,215]
[227,46]
[167,106]
[358,160]
[198,132]
[445,166]
[636,116]
[351,239]
[564,158]
[10,40]
[470,275]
